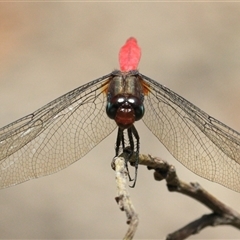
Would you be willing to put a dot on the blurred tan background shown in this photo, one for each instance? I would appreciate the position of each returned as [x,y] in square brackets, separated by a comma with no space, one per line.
[48,49]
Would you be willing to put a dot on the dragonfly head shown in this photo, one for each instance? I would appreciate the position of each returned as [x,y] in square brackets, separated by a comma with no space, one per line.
[125,110]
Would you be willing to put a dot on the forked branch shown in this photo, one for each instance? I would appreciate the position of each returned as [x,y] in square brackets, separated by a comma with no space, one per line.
[221,213]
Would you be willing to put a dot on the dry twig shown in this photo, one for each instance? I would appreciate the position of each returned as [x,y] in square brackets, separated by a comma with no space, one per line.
[123,198]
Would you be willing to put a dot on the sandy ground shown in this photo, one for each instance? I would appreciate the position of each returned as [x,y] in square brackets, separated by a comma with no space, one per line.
[48,49]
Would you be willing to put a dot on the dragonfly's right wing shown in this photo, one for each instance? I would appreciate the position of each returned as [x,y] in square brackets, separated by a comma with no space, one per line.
[56,135]
[204,145]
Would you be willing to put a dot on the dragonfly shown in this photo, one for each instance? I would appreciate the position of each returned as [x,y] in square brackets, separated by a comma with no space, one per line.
[63,131]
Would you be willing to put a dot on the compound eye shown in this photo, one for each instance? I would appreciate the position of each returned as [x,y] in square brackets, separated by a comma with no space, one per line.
[139,112]
[113,105]
[111,110]
[137,107]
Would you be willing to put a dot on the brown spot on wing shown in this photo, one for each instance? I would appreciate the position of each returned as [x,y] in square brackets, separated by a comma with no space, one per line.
[145,86]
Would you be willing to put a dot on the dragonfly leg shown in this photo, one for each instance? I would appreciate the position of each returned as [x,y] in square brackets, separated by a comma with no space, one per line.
[120,139]
[133,132]
[128,152]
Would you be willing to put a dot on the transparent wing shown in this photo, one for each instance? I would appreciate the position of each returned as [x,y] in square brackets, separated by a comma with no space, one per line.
[56,135]
[201,143]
